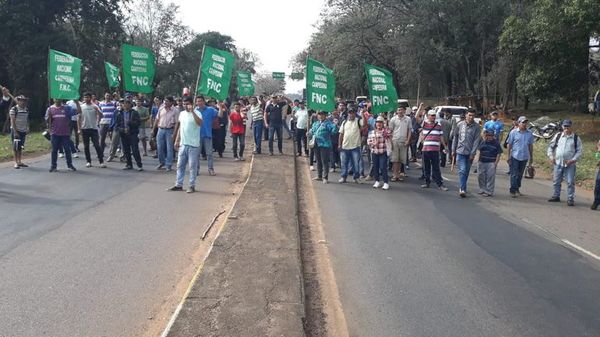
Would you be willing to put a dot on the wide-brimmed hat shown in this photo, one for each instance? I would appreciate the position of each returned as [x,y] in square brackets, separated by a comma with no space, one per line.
[379,119]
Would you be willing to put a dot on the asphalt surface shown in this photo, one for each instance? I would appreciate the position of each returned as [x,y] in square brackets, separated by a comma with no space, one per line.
[99,252]
[414,262]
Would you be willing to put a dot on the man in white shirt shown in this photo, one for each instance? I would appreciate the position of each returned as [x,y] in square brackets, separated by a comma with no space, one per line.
[400,126]
[350,141]
[88,128]
[301,117]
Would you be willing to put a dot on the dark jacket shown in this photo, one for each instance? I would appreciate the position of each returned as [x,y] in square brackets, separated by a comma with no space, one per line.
[119,124]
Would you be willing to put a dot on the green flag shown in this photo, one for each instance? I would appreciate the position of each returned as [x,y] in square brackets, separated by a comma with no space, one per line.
[320,86]
[381,88]
[278,75]
[64,75]
[138,69]
[112,74]
[245,84]
[215,73]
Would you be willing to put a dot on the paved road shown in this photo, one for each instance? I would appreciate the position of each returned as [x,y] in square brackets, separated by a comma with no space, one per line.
[99,252]
[412,262]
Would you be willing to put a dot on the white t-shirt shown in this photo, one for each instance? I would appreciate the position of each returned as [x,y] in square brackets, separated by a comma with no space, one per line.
[189,131]
[351,131]
[301,119]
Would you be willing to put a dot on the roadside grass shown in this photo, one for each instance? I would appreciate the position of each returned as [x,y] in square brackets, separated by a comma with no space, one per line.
[34,144]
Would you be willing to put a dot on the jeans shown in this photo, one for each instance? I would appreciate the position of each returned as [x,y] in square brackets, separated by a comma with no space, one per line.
[568,173]
[380,167]
[104,129]
[219,139]
[335,156]
[61,142]
[322,154]
[164,140]
[91,134]
[444,157]
[517,168]
[206,146]
[241,139]
[597,188]
[464,168]
[487,177]
[130,144]
[74,127]
[431,167]
[276,129]
[187,155]
[347,157]
[257,130]
[115,141]
[301,139]
[287,129]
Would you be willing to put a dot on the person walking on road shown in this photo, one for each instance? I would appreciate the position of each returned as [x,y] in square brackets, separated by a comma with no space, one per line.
[431,138]
[400,127]
[107,107]
[321,131]
[238,131]
[564,151]
[187,143]
[301,117]
[350,145]
[257,116]
[274,122]
[464,147]
[489,156]
[597,187]
[144,113]
[209,114]
[495,125]
[19,126]
[378,143]
[520,151]
[165,123]
[88,120]
[59,118]
[127,123]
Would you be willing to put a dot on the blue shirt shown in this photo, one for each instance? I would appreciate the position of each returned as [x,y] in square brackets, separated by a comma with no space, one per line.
[323,133]
[520,141]
[208,114]
[497,127]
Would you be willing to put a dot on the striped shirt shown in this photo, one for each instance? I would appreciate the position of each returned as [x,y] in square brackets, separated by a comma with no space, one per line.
[108,110]
[433,136]
[21,118]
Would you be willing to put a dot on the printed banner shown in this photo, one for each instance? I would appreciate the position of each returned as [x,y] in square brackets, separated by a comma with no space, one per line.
[382,90]
[64,75]
[112,75]
[215,73]
[278,75]
[138,69]
[320,86]
[245,84]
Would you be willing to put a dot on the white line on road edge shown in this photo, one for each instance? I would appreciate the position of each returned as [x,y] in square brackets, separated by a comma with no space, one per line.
[199,270]
[583,250]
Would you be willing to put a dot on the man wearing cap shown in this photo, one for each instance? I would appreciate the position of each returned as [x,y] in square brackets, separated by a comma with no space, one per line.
[88,127]
[127,124]
[564,151]
[165,123]
[495,125]
[489,156]
[19,125]
[464,147]
[301,117]
[520,151]
[400,126]
[432,138]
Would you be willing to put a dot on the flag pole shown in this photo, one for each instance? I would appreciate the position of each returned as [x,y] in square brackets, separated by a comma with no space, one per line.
[199,71]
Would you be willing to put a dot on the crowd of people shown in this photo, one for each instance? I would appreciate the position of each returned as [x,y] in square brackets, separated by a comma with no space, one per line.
[186,130]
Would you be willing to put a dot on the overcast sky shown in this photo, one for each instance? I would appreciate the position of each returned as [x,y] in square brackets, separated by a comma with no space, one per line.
[275,30]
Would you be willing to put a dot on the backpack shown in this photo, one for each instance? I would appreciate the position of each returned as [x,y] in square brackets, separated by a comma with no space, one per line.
[557,138]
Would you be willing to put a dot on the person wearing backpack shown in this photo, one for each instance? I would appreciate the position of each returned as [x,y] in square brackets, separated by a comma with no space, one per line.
[563,151]
[349,145]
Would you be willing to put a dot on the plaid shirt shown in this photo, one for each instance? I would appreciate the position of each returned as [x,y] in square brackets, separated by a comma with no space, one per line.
[377,139]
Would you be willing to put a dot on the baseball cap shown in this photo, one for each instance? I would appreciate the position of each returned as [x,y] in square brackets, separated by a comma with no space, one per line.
[379,119]
[567,122]
[522,119]
[21,98]
[488,132]
[431,112]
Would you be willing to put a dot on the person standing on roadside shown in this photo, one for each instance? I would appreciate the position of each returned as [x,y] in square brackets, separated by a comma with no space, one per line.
[489,156]
[520,151]
[597,187]
[187,143]
[350,145]
[274,122]
[564,151]
[59,118]
[400,127]
[208,114]
[464,147]
[431,138]
[377,142]
[88,127]
[144,113]
[127,123]
[165,123]
[238,131]
[19,126]
[257,116]
[107,107]
[322,130]
[301,117]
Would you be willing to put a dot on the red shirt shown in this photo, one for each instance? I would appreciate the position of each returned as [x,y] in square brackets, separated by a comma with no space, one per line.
[237,123]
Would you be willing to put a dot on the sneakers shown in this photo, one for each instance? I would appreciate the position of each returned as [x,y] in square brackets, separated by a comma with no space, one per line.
[61,155]
[23,165]
[102,165]
[75,155]
[342,181]
[211,173]
[270,153]
[242,159]
[376,185]
[571,203]
[442,188]
[357,181]
[160,167]
[386,186]
[369,178]
[312,168]
[140,169]
[425,186]
[127,168]
[554,199]
[331,170]
[317,179]
[168,169]
[110,158]
[175,188]
[52,169]
[594,206]
[519,193]
[462,193]
[513,194]
[72,168]
[191,189]
[236,159]
[88,164]
[325,181]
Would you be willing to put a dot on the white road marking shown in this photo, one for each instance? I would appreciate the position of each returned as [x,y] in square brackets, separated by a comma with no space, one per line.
[583,250]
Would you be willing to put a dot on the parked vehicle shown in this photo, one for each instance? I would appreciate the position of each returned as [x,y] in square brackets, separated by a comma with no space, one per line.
[403,103]
[545,128]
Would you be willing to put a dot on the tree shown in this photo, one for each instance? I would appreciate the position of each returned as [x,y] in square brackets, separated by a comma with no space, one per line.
[266,84]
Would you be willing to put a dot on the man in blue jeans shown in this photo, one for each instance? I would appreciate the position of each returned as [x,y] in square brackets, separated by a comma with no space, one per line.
[165,122]
[257,117]
[350,141]
[208,114]
[274,121]
[564,151]
[187,141]
[465,143]
[520,151]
